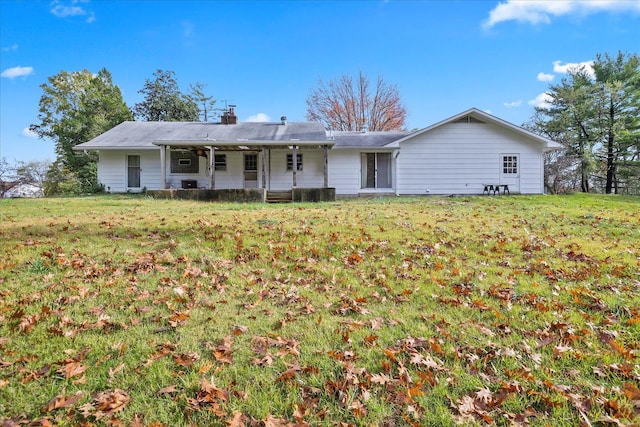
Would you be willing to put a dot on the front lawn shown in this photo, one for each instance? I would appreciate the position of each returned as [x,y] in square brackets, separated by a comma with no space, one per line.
[394,312]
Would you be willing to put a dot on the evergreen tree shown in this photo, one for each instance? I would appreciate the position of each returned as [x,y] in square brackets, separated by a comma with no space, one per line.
[163,101]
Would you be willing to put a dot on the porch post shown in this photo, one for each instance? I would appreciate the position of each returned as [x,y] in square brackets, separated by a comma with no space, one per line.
[264,167]
[212,167]
[295,165]
[163,167]
[326,166]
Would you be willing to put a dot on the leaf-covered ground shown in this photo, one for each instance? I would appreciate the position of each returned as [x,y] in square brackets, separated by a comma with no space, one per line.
[392,312]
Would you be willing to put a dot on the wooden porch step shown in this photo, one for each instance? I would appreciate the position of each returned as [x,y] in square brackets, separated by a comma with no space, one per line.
[279,196]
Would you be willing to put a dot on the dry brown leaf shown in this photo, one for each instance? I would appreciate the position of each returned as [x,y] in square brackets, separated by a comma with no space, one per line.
[73,369]
[167,390]
[271,421]
[61,401]
[237,420]
[106,403]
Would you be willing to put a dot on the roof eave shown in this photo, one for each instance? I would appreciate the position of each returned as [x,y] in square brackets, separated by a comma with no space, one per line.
[80,147]
[239,143]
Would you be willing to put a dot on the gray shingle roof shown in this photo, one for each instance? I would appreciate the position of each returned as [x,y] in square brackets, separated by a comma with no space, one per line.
[365,139]
[144,134]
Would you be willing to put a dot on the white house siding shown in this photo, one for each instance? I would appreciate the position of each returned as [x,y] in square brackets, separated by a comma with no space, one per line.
[112,169]
[151,175]
[311,175]
[232,177]
[344,171]
[459,158]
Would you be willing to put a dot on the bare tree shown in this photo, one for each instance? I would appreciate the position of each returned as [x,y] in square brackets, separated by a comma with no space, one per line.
[352,105]
[7,175]
[33,172]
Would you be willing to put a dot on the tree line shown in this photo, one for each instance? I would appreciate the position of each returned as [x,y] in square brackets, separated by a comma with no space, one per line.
[75,107]
[594,113]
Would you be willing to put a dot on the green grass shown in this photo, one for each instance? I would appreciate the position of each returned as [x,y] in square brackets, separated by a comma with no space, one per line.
[408,311]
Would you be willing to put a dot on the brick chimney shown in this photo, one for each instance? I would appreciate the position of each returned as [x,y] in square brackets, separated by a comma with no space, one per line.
[229,117]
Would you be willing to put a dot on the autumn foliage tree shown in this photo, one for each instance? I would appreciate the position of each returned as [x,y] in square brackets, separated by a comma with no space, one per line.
[349,104]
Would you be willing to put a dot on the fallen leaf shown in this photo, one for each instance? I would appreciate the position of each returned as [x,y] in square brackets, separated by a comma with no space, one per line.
[73,369]
[237,420]
[167,390]
[61,401]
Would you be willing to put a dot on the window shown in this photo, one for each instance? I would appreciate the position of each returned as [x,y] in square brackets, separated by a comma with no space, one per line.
[510,165]
[220,162]
[251,162]
[290,162]
[184,162]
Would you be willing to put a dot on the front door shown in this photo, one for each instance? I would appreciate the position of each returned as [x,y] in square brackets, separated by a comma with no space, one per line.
[376,170]
[250,170]
[133,171]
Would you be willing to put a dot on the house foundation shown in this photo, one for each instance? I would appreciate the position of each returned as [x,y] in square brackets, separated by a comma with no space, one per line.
[243,195]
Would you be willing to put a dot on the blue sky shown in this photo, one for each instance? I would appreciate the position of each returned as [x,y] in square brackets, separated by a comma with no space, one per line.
[266,56]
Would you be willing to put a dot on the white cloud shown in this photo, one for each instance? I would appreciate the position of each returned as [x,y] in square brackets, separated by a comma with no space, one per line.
[12,73]
[543,77]
[260,117]
[64,9]
[29,133]
[541,11]
[12,48]
[542,101]
[573,66]
[513,104]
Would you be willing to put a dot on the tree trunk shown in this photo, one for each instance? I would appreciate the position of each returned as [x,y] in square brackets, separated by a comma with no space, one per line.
[611,164]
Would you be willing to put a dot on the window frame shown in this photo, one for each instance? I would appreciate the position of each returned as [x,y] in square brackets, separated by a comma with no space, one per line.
[220,162]
[510,164]
[290,162]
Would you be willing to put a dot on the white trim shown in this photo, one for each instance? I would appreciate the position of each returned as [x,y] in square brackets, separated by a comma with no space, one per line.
[126,166]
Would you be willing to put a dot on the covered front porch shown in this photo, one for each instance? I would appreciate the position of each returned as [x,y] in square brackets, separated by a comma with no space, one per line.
[245,171]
